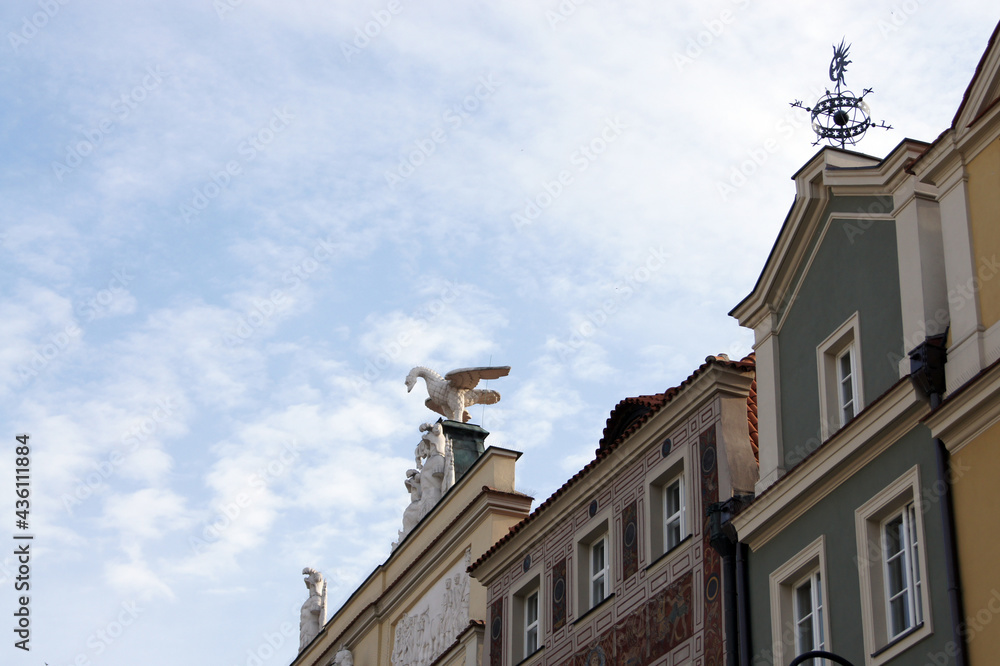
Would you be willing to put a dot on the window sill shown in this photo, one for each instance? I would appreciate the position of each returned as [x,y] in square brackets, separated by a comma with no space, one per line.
[680,544]
[898,639]
[531,656]
[594,608]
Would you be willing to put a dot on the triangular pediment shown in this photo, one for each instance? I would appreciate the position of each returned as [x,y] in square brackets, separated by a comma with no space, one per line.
[983,92]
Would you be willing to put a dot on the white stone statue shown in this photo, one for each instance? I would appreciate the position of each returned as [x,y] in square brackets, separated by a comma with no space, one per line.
[411,515]
[313,614]
[451,394]
[434,475]
[343,657]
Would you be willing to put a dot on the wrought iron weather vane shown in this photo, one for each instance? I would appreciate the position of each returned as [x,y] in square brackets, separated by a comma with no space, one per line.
[839,116]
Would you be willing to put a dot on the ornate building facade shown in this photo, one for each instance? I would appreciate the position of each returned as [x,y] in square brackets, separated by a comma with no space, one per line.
[617,567]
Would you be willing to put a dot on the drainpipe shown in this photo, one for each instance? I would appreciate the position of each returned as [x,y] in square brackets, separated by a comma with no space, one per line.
[927,374]
[743,600]
[718,520]
[722,536]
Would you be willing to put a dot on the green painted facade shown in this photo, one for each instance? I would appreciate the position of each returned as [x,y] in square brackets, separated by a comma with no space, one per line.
[834,517]
[854,270]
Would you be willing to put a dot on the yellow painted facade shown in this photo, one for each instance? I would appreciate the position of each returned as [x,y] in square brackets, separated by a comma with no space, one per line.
[969,425]
[977,518]
[984,213]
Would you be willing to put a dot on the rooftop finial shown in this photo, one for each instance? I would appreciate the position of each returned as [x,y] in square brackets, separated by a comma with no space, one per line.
[839,117]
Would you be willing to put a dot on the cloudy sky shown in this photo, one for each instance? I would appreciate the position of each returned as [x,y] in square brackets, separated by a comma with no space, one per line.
[230,227]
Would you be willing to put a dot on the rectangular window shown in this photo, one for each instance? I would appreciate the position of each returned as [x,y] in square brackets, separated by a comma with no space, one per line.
[530,624]
[598,571]
[895,606]
[841,394]
[673,514]
[902,571]
[809,633]
[799,609]
[526,604]
[845,377]
[594,554]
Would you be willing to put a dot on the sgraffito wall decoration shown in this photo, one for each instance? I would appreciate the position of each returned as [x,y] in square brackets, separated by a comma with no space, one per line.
[631,644]
[496,633]
[630,540]
[601,653]
[669,614]
[672,610]
[713,655]
[559,595]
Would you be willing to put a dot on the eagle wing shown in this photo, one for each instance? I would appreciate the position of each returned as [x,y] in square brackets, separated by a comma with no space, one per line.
[467,378]
[482,397]
[435,407]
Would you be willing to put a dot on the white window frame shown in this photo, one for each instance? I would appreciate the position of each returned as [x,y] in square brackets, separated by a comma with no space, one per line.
[594,530]
[816,612]
[851,375]
[846,339]
[594,573]
[528,586]
[531,626]
[678,516]
[808,564]
[910,555]
[870,521]
[658,478]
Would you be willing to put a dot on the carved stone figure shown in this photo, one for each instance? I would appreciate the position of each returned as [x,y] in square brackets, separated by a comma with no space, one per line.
[343,657]
[434,475]
[451,394]
[412,513]
[434,466]
[433,625]
[313,614]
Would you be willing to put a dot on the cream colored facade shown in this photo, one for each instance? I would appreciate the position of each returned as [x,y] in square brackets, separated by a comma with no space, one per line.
[964,165]
[470,518]
[961,171]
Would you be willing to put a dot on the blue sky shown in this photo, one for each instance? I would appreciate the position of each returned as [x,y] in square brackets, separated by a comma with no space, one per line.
[230,229]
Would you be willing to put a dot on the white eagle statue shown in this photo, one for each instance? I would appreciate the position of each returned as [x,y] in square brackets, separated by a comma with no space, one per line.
[451,394]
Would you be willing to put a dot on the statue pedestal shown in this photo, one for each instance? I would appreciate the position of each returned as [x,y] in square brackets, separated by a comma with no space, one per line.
[468,443]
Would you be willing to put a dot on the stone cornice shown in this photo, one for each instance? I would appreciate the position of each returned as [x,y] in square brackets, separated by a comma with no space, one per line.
[968,411]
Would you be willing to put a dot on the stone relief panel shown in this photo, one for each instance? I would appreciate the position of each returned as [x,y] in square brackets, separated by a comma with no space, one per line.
[434,622]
